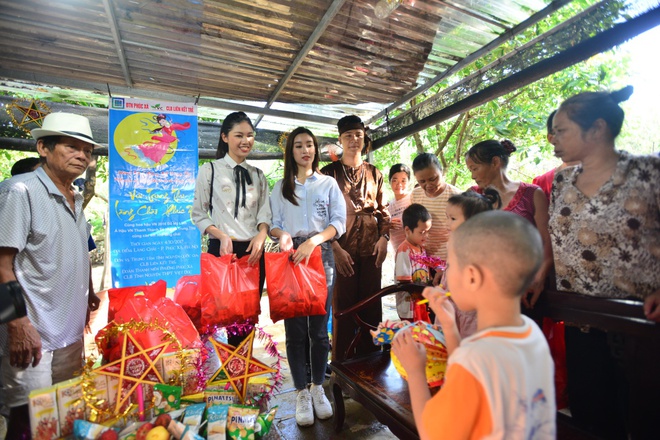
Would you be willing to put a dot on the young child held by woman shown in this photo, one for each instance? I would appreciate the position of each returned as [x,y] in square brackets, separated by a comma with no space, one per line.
[499,381]
[461,207]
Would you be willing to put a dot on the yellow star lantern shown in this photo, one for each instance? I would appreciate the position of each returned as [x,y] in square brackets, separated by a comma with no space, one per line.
[136,364]
[237,365]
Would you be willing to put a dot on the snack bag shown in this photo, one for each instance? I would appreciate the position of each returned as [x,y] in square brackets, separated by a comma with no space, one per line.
[241,421]
[166,398]
[264,422]
[43,413]
[216,417]
[219,396]
[194,414]
[70,404]
[436,354]
[295,290]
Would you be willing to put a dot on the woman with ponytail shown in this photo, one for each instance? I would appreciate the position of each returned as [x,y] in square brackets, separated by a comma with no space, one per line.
[231,199]
[605,229]
[487,162]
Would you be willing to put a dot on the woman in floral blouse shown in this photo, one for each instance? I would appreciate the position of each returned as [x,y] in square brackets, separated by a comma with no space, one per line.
[605,231]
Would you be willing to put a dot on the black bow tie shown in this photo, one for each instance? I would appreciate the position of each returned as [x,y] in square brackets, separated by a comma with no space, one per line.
[241,178]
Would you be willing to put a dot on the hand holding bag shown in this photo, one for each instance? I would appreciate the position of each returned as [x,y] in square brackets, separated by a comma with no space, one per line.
[295,291]
[229,291]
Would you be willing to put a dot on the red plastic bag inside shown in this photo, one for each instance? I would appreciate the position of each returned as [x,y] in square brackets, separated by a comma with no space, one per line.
[119,296]
[229,290]
[189,296]
[554,333]
[164,312]
[295,291]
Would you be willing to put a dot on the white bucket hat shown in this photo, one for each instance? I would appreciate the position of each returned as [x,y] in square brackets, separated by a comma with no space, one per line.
[65,124]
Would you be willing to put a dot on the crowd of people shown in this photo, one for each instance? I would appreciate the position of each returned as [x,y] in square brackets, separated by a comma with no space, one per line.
[595,220]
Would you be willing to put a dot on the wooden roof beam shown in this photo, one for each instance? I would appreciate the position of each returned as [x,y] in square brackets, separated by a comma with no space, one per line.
[114,29]
[505,36]
[601,42]
[37,78]
[298,60]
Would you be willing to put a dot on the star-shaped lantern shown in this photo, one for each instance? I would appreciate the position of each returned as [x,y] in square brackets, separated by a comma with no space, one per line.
[28,116]
[137,365]
[237,365]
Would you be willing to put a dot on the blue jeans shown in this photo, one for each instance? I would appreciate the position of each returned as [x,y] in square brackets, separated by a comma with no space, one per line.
[315,328]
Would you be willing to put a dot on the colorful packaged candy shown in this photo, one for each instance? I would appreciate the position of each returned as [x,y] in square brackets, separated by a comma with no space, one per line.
[44,418]
[436,353]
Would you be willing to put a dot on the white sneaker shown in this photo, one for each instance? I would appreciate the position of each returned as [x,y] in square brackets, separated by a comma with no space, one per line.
[321,404]
[304,410]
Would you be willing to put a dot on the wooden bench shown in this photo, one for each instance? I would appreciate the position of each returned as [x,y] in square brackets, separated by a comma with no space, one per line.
[372,380]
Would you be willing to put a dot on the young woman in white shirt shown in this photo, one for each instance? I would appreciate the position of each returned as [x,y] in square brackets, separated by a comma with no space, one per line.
[231,199]
[308,211]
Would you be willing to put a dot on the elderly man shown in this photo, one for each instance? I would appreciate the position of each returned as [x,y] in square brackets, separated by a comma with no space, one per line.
[43,247]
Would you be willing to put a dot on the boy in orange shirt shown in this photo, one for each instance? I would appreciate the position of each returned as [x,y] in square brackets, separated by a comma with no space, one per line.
[499,381]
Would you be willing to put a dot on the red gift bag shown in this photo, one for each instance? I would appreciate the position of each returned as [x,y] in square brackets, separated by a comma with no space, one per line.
[189,296]
[229,290]
[295,291]
[119,296]
[554,333]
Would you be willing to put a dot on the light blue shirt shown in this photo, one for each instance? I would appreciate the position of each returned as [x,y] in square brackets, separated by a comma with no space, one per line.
[52,262]
[320,204]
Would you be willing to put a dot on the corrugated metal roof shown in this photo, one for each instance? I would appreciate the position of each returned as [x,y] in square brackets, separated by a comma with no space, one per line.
[241,49]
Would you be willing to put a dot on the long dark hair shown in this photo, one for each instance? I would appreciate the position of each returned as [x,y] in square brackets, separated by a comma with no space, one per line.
[231,120]
[484,151]
[291,167]
[587,107]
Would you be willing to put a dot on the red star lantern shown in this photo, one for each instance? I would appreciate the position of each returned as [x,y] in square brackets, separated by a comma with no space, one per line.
[237,365]
[137,365]
[28,117]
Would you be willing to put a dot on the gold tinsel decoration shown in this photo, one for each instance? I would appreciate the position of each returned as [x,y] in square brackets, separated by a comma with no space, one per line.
[281,141]
[100,410]
[27,117]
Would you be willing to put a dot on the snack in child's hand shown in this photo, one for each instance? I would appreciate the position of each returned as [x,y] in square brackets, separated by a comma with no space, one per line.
[384,333]
[216,416]
[240,422]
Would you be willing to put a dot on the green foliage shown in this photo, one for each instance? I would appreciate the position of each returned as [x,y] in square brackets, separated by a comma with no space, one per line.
[519,116]
[7,160]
